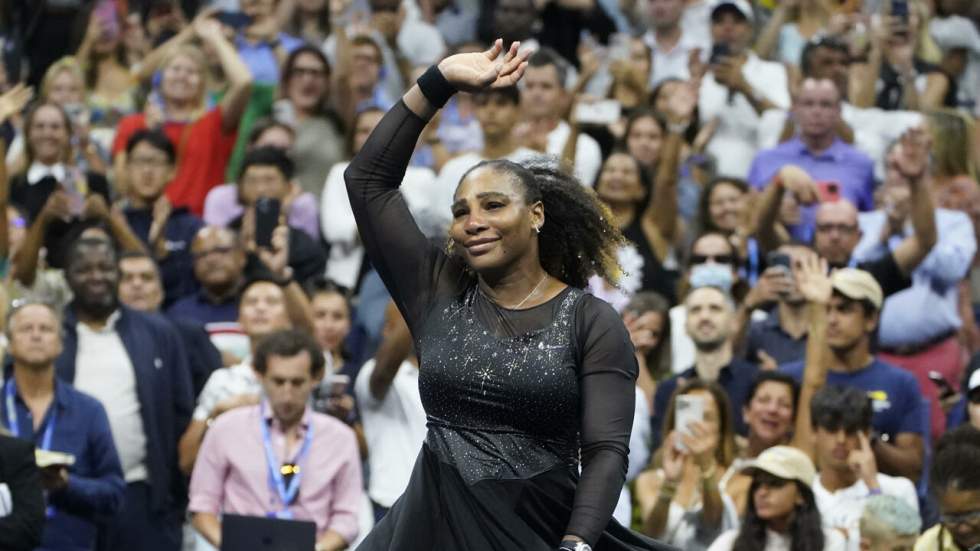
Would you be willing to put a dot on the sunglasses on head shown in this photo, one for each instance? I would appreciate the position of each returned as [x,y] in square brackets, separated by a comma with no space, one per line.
[716,258]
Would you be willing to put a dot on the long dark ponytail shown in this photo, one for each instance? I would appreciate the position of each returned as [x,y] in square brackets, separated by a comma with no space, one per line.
[805,528]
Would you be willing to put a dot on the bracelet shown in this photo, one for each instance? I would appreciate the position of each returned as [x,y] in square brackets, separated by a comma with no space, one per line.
[435,87]
[874,492]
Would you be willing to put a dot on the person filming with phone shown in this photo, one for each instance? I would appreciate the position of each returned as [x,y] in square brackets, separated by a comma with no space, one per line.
[80,469]
[680,499]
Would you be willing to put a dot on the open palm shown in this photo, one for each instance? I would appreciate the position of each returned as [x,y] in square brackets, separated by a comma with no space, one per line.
[812,279]
[493,68]
[13,101]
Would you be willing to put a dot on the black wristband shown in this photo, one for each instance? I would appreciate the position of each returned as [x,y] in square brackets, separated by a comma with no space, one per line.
[435,87]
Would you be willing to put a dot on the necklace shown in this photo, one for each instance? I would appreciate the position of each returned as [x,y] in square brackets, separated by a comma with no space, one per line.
[521,303]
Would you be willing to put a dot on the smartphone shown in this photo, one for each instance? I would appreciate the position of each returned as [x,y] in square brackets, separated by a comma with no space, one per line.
[266,220]
[942,385]
[234,19]
[900,9]
[719,50]
[336,384]
[776,258]
[829,191]
[600,112]
[688,408]
[105,11]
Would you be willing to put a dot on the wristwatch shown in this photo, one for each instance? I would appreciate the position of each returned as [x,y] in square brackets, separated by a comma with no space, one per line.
[570,545]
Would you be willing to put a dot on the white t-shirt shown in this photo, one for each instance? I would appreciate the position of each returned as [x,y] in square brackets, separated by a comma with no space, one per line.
[394,429]
[588,156]
[842,510]
[225,383]
[735,142]
[454,169]
[103,370]
[340,229]
[833,541]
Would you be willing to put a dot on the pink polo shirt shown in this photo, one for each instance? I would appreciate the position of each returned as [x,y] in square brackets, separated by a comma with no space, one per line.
[231,476]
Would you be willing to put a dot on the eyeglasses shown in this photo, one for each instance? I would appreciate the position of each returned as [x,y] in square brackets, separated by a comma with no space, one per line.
[217,250]
[970,517]
[840,228]
[716,258]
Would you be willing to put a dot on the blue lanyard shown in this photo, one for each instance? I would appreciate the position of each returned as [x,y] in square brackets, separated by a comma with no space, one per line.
[287,493]
[10,390]
[752,248]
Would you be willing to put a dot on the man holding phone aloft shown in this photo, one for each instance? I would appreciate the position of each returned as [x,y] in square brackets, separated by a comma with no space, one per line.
[265,190]
[738,88]
[54,416]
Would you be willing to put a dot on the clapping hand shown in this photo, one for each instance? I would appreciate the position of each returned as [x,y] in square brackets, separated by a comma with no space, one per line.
[701,443]
[812,278]
[476,71]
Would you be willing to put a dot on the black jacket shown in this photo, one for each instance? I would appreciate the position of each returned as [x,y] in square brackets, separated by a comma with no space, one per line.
[21,530]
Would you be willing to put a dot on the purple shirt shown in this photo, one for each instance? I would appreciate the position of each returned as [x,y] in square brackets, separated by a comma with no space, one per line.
[221,206]
[231,474]
[851,169]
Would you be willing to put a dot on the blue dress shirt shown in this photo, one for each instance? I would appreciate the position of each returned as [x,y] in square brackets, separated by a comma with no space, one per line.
[850,168]
[95,488]
[261,59]
[928,308]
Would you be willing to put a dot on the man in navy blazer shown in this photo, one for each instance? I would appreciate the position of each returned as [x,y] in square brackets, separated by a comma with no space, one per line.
[136,365]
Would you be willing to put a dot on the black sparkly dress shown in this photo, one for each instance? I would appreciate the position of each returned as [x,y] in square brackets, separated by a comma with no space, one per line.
[513,397]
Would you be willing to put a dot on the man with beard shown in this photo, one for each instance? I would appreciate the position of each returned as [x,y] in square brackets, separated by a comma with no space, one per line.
[710,323]
[899,415]
[135,364]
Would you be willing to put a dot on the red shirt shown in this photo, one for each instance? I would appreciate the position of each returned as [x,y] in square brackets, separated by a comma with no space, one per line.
[203,150]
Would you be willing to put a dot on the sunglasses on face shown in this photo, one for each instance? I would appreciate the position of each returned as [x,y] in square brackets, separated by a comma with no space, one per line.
[716,258]
[762,478]
[974,397]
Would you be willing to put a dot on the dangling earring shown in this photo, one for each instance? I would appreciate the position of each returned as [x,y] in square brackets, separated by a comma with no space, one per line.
[450,249]
[537,229]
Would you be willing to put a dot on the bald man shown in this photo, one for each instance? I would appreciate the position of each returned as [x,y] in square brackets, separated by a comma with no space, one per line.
[820,152]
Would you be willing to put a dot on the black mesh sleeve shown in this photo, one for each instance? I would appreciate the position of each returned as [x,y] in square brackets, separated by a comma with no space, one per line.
[607,380]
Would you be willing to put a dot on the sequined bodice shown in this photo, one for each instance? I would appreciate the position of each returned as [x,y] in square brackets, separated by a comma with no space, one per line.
[500,407]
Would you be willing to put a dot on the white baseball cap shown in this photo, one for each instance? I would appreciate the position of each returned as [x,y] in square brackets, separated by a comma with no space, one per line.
[742,6]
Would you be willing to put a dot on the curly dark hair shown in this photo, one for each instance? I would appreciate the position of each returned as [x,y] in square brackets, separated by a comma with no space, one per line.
[954,466]
[578,239]
[804,529]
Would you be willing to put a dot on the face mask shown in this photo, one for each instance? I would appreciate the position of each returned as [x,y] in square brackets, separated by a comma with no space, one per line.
[712,275]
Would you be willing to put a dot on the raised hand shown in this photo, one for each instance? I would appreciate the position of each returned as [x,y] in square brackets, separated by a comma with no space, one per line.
[796,180]
[701,443]
[476,71]
[812,279]
[13,101]
[673,459]
[277,258]
[911,155]
[681,104]
[862,461]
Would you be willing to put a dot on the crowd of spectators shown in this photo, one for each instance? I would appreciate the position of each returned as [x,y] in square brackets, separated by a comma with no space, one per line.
[191,327]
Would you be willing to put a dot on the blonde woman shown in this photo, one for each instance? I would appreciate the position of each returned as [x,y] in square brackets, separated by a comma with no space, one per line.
[204,138]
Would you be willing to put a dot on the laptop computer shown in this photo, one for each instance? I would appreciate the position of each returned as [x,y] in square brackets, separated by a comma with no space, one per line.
[242,533]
